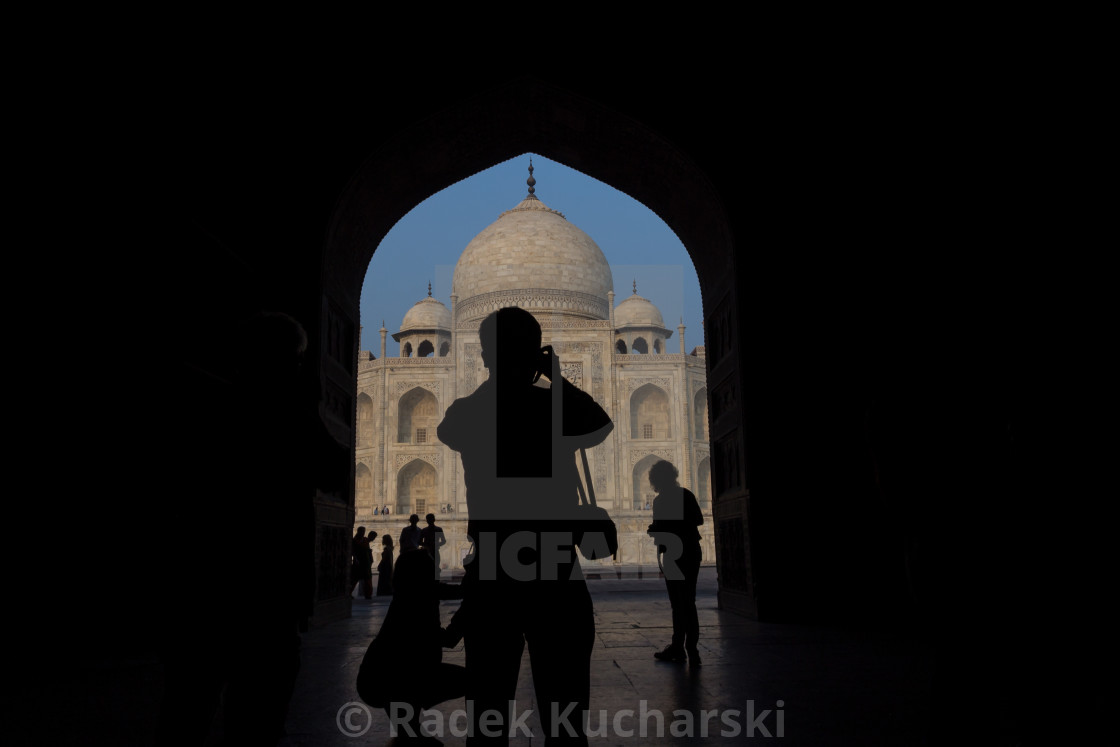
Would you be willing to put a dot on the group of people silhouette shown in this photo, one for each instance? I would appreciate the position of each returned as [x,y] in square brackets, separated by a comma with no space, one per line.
[522,585]
[430,539]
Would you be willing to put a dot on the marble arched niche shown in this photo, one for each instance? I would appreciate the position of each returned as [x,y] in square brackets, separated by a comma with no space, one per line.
[649,413]
[700,413]
[417,488]
[641,491]
[363,487]
[704,483]
[365,421]
[417,410]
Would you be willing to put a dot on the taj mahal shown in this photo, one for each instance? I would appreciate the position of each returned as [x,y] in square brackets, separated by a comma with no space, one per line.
[532,257]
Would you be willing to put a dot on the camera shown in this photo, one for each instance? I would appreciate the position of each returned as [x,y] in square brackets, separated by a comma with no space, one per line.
[545,362]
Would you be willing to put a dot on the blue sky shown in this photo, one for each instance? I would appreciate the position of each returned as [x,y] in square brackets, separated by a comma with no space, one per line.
[426,243]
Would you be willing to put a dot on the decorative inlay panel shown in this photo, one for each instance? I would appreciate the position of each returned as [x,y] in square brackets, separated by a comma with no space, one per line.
[432,458]
[431,386]
[723,397]
[573,372]
[637,455]
[340,337]
[472,354]
[652,358]
[729,475]
[665,382]
[543,300]
[392,362]
[719,333]
[338,402]
[595,349]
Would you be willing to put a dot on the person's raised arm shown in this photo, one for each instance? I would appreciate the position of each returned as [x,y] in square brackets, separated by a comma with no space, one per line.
[447,431]
[585,422]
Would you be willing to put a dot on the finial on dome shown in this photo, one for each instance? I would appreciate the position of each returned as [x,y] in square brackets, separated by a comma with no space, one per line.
[635,286]
[429,289]
[531,181]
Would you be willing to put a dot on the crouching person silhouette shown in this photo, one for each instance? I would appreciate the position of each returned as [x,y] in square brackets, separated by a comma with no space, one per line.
[518,442]
[403,669]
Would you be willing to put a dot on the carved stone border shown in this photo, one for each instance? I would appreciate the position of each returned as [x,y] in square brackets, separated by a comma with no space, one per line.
[664,382]
[432,458]
[637,455]
[533,299]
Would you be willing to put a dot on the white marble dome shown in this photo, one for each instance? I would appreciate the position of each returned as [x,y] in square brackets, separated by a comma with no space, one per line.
[636,311]
[532,257]
[427,313]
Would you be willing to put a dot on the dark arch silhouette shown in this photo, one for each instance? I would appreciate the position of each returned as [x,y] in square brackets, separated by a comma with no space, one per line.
[521,120]
[426,349]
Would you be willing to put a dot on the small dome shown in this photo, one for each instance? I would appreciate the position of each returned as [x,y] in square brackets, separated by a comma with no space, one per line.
[428,313]
[636,311]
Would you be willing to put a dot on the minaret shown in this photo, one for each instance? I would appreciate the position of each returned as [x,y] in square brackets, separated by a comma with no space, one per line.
[454,346]
[383,333]
[680,331]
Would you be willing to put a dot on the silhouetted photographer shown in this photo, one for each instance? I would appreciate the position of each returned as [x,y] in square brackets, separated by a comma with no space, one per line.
[518,442]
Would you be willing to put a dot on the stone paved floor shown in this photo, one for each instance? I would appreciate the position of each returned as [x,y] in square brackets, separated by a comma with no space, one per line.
[835,687]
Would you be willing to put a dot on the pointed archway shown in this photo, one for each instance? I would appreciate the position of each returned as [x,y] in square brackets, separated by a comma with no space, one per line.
[531,116]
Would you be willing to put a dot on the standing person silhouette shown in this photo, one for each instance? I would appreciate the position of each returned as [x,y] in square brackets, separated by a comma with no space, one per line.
[410,535]
[361,562]
[676,516]
[432,539]
[517,442]
[385,568]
